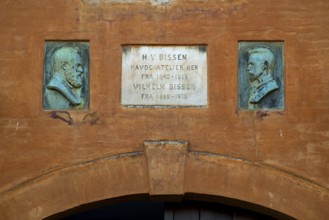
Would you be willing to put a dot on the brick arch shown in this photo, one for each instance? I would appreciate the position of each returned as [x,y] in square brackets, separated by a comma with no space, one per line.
[166,169]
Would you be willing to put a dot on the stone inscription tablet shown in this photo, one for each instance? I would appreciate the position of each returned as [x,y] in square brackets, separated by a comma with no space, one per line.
[164,76]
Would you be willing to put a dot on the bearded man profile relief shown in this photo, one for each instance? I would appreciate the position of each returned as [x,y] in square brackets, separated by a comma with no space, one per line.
[260,73]
[64,89]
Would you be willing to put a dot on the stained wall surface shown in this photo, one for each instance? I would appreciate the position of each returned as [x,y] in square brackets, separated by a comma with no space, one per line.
[51,161]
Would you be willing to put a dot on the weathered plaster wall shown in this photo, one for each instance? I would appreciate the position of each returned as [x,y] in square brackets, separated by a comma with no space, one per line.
[53,161]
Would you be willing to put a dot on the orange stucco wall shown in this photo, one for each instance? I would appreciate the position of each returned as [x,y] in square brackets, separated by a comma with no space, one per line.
[275,159]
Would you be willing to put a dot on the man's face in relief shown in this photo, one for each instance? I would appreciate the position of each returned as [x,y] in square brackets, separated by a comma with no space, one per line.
[255,67]
[74,71]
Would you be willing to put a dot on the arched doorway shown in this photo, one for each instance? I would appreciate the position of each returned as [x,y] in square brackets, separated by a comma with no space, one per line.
[165,172]
[185,210]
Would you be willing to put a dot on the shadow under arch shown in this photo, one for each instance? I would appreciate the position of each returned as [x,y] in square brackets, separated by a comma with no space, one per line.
[215,200]
[166,171]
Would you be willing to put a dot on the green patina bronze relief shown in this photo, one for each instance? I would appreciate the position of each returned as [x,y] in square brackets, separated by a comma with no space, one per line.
[66,75]
[261,81]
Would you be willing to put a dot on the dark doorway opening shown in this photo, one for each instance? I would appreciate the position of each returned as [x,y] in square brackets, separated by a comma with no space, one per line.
[186,210]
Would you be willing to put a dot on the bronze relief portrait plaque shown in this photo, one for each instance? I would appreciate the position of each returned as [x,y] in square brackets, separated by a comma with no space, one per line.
[66,75]
[261,76]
